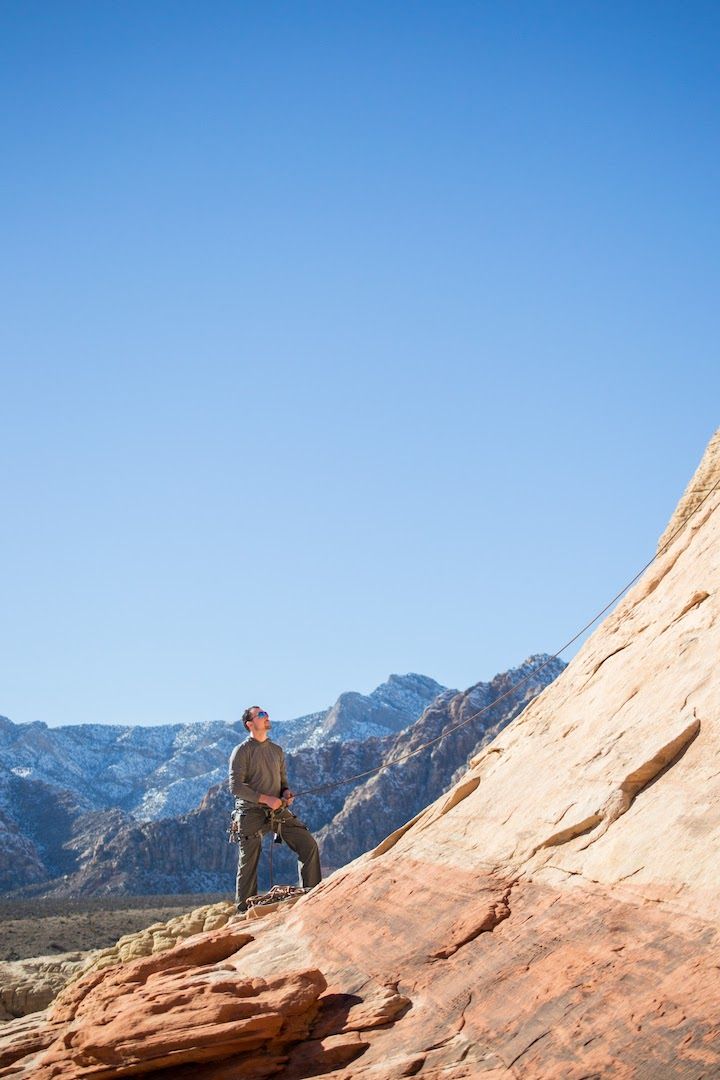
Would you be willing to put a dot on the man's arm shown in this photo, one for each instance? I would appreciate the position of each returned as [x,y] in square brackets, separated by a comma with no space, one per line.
[239,786]
[284,786]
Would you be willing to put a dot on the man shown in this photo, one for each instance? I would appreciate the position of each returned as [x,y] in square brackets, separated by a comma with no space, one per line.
[258,780]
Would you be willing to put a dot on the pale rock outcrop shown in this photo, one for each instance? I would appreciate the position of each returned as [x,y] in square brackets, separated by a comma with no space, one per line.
[555,915]
[30,985]
[705,478]
[162,936]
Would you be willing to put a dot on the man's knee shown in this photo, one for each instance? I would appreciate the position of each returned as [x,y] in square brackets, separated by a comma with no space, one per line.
[299,838]
[304,844]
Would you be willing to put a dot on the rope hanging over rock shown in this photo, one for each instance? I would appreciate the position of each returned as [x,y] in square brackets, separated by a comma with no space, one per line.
[531,674]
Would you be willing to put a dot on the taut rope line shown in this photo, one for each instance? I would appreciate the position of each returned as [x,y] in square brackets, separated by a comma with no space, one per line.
[535,671]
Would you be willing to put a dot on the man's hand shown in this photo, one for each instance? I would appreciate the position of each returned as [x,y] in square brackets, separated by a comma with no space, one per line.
[288,796]
[272,801]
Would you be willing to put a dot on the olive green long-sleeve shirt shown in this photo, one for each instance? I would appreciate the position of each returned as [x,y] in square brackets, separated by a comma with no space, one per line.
[257,768]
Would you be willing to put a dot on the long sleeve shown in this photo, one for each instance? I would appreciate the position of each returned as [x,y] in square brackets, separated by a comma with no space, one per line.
[283,773]
[239,775]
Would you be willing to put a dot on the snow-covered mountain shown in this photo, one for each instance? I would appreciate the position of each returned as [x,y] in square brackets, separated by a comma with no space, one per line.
[155,772]
[388,709]
[66,841]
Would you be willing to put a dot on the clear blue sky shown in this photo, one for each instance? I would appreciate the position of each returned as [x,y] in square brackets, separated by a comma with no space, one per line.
[340,338]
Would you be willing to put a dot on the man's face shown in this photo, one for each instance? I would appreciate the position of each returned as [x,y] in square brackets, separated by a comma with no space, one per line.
[258,722]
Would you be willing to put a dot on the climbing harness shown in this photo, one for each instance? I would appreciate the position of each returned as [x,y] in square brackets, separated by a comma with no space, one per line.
[233,831]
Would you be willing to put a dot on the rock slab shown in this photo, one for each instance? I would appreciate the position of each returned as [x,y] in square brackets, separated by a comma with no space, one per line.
[555,915]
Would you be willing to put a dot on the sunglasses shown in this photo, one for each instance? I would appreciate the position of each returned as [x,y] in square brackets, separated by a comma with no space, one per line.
[261,715]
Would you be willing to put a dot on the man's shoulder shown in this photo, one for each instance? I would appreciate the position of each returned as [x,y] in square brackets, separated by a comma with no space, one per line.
[270,749]
[250,745]
[243,747]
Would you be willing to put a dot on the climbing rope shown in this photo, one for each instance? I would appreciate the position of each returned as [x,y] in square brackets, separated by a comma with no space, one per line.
[535,671]
[275,895]
[276,833]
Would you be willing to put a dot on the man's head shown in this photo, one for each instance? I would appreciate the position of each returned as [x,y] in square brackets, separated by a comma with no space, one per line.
[256,721]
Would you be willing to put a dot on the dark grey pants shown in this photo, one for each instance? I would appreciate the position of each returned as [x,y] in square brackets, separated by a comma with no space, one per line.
[254,824]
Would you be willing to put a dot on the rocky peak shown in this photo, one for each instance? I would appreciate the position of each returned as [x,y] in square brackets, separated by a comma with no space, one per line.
[391,707]
[706,476]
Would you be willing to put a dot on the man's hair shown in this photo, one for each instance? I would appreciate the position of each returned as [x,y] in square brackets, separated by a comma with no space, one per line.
[247,715]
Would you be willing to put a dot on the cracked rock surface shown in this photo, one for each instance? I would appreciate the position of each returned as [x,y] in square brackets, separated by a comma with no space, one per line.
[555,915]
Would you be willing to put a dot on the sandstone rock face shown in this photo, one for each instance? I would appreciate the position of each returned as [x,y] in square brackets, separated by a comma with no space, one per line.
[28,986]
[555,915]
[160,936]
[705,478]
[388,799]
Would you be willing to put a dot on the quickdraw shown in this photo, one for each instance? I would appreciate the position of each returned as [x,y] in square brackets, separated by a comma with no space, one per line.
[233,833]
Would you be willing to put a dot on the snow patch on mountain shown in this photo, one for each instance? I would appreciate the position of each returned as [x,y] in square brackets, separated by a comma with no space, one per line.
[164,771]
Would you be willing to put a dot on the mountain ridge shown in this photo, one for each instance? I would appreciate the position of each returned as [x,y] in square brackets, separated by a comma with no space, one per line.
[154,771]
[107,851]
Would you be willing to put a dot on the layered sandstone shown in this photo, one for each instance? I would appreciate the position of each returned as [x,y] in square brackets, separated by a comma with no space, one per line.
[701,486]
[554,915]
[30,985]
[161,936]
